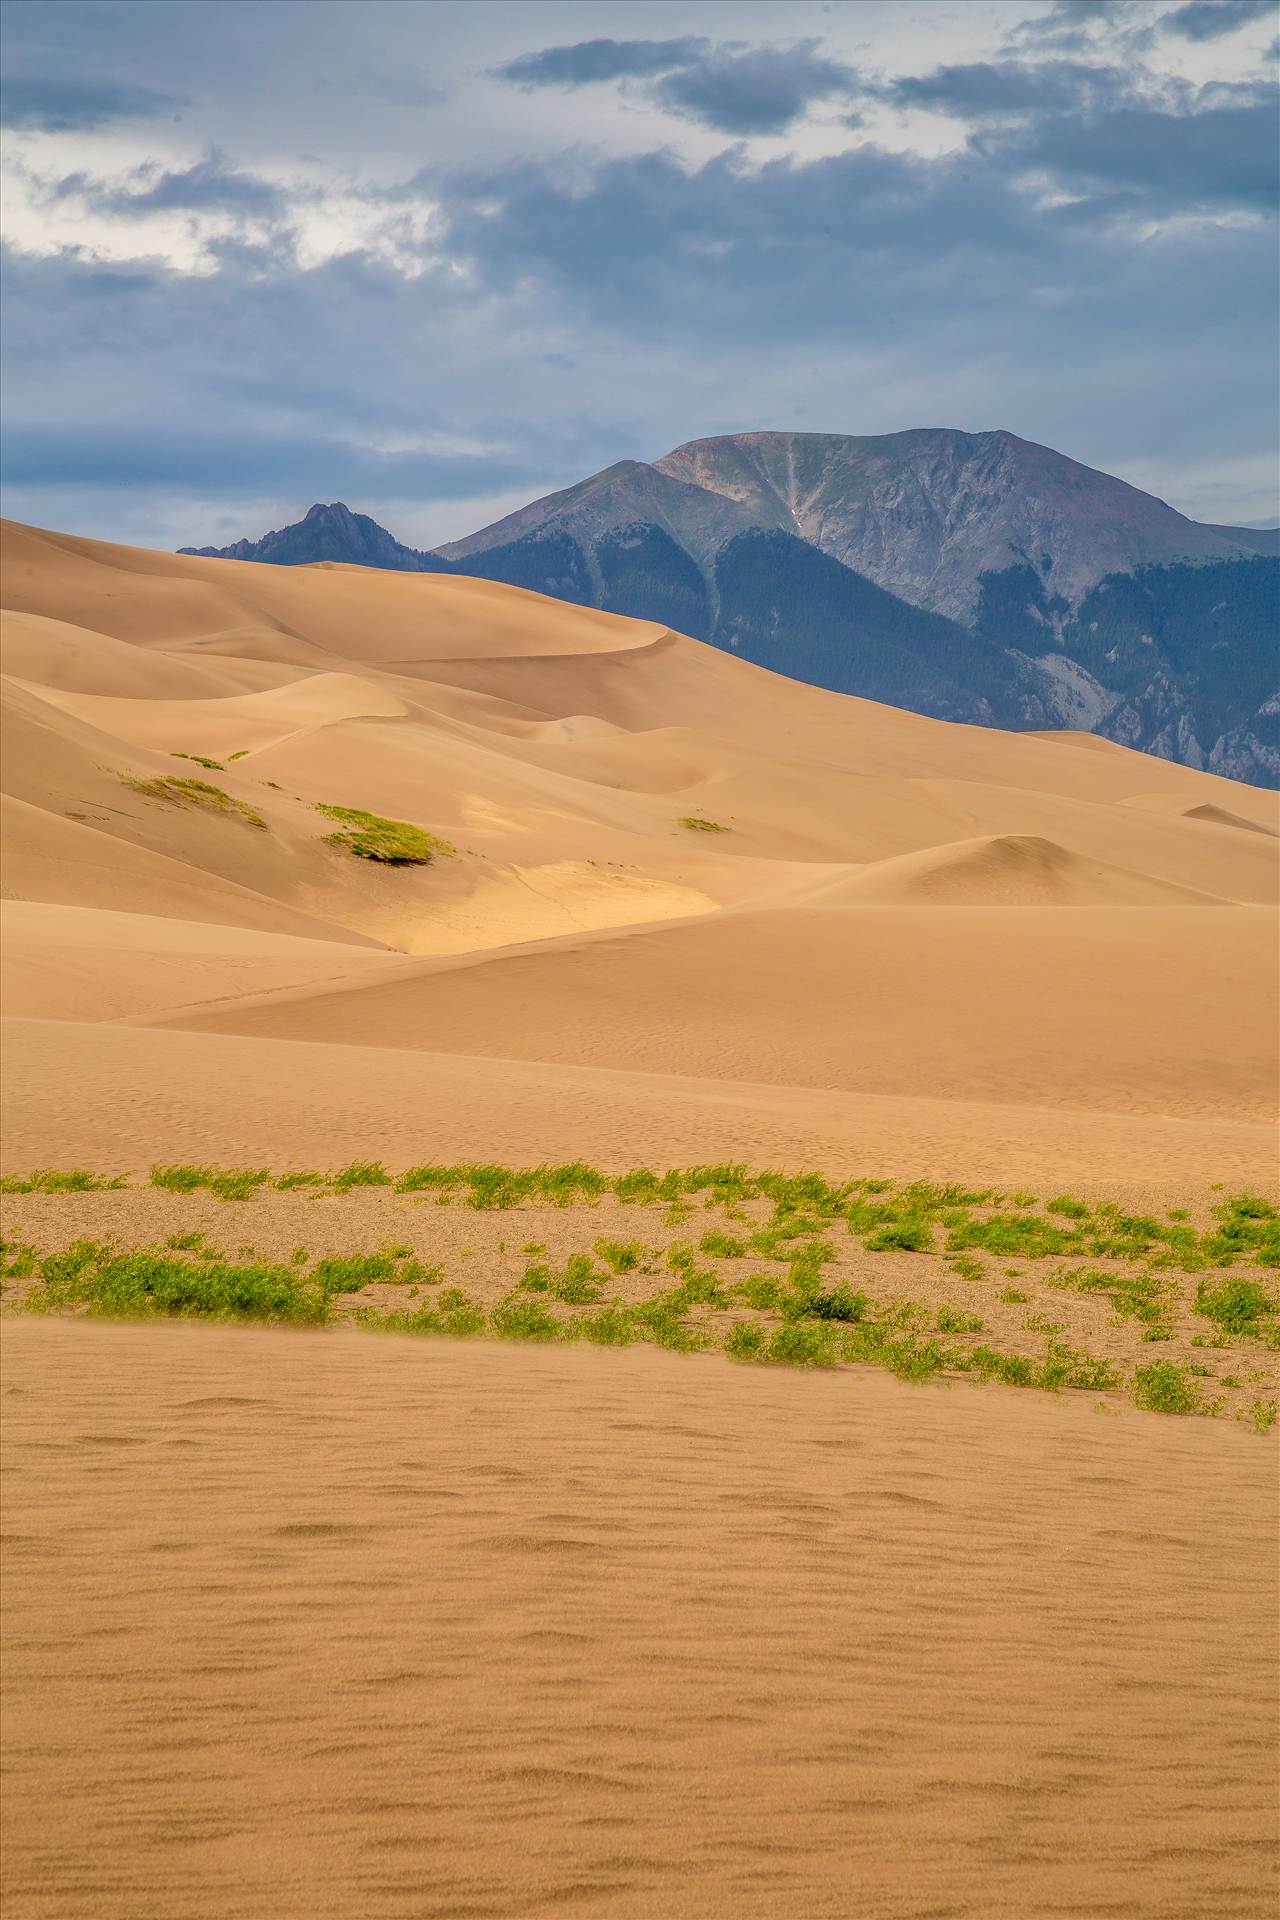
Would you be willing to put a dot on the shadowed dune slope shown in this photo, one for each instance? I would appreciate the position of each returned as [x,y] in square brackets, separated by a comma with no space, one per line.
[650,857]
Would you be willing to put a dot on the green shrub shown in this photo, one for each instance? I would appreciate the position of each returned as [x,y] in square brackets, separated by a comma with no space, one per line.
[395,843]
[761,1292]
[696,824]
[722,1246]
[347,1273]
[1068,1367]
[623,1256]
[1237,1305]
[1015,1369]
[1028,1236]
[955,1320]
[906,1236]
[745,1341]
[1164,1387]
[517,1319]
[837,1304]
[796,1345]
[145,1283]
[611,1327]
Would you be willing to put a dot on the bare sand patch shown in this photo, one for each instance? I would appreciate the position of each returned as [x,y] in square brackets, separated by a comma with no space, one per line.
[401,1629]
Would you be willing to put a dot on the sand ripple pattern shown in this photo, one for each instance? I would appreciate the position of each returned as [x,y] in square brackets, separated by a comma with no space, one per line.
[341,1625]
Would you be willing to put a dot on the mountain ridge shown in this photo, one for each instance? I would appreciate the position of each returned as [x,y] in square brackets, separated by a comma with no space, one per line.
[966,576]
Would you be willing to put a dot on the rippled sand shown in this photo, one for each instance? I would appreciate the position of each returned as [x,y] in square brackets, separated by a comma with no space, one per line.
[338,1625]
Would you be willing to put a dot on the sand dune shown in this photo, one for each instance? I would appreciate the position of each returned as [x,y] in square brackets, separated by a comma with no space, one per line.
[1264,818]
[1143,1010]
[1003,870]
[664,862]
[73,963]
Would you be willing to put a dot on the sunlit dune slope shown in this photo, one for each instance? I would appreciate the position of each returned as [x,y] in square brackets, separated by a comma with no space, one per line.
[651,857]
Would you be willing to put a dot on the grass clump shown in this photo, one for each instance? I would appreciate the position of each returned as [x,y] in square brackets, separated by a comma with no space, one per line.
[201,760]
[1164,1387]
[517,1319]
[1133,1296]
[745,1341]
[577,1284]
[621,1256]
[911,1235]
[722,1246]
[1237,1305]
[142,1284]
[61,1180]
[762,1292]
[795,1345]
[361,1173]
[183,792]
[347,1273]
[396,843]
[955,1320]
[697,824]
[225,1183]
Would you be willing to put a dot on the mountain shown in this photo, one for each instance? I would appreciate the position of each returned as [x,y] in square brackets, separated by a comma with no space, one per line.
[970,576]
[328,533]
[927,513]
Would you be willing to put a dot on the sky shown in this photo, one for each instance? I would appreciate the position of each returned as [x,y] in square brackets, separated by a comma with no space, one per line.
[437,259]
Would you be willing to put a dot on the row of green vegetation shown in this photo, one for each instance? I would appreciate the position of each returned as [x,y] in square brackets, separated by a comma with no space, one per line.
[810,1325]
[921,1217]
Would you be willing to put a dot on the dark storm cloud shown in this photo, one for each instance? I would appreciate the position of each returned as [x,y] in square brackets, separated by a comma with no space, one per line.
[737,90]
[66,103]
[1211,19]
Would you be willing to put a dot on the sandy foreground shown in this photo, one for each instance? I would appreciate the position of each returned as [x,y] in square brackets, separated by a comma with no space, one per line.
[333,1624]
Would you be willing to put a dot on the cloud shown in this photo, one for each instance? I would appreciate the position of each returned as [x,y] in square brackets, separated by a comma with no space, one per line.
[589,62]
[378,331]
[1168,163]
[1068,23]
[734,89]
[67,103]
[211,185]
[1211,19]
[760,91]
[243,462]
[990,90]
